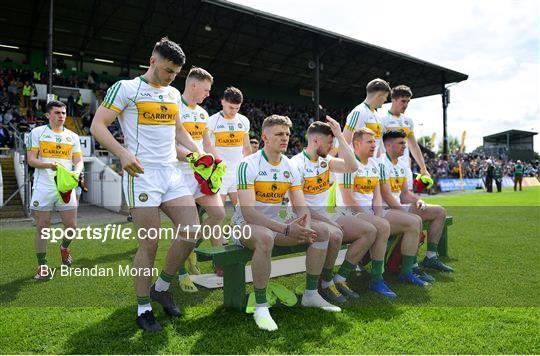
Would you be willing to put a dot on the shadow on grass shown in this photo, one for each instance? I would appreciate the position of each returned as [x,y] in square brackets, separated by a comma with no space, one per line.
[215,331]
[113,257]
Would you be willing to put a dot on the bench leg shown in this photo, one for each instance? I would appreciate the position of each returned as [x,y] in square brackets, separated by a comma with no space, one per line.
[234,286]
[443,243]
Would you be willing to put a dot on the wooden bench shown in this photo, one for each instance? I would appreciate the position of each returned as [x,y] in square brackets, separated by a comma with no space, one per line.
[234,258]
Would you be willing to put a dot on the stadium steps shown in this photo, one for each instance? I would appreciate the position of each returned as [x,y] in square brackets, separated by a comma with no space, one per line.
[14,209]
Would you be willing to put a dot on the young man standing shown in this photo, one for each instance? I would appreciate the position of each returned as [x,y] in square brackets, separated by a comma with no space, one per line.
[195,120]
[396,195]
[365,114]
[147,108]
[49,146]
[395,120]
[518,175]
[229,131]
[263,180]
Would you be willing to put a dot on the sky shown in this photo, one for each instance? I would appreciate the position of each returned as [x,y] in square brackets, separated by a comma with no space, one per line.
[495,42]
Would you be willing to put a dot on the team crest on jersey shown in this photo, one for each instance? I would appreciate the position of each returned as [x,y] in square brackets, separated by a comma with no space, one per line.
[201,115]
[240,126]
[143,197]
[161,97]
[402,171]
[35,203]
[58,139]
[324,164]
[374,170]
[68,139]
[286,174]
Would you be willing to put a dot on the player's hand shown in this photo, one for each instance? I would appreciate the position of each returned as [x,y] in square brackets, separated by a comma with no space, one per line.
[421,205]
[52,166]
[334,125]
[424,172]
[131,164]
[299,230]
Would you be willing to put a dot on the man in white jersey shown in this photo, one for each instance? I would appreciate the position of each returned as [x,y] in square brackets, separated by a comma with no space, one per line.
[195,120]
[263,180]
[397,196]
[361,193]
[229,131]
[147,109]
[315,168]
[48,146]
[395,120]
[366,115]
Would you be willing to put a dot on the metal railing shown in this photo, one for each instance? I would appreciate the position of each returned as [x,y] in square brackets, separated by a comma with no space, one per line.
[20,148]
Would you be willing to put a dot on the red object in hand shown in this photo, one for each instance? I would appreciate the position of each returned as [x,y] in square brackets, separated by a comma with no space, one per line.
[206,160]
[419,185]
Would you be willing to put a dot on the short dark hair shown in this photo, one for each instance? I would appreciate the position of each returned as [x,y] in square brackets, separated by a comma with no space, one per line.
[376,85]
[199,74]
[254,140]
[233,95]
[54,104]
[401,91]
[390,135]
[170,50]
[319,127]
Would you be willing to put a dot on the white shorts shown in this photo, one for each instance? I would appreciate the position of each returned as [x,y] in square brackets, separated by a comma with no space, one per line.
[344,211]
[47,199]
[404,207]
[154,187]
[228,183]
[409,176]
[238,220]
[192,184]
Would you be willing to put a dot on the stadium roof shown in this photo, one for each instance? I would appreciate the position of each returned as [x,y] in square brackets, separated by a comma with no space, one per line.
[510,134]
[229,40]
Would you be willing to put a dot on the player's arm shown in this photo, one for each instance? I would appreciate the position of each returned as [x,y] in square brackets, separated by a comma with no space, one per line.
[208,146]
[347,196]
[246,198]
[183,138]
[34,161]
[78,162]
[298,203]
[346,163]
[377,201]
[417,154]
[246,145]
[408,197]
[386,193]
[103,118]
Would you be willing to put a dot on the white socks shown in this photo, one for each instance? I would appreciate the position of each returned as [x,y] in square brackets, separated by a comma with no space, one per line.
[143,308]
[161,285]
[431,254]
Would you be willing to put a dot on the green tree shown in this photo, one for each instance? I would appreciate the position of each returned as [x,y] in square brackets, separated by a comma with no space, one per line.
[425,141]
[453,145]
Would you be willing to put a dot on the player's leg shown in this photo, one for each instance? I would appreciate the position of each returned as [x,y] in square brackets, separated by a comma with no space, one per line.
[69,220]
[261,242]
[215,215]
[360,235]
[233,196]
[515,183]
[43,221]
[409,225]
[436,215]
[315,258]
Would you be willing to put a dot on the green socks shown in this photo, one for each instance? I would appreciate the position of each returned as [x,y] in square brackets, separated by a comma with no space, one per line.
[407,263]
[346,269]
[327,274]
[312,281]
[377,269]
[41,258]
[66,242]
[260,295]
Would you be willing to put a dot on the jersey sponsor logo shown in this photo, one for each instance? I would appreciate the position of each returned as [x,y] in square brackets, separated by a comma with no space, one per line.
[396,183]
[365,185]
[318,184]
[195,129]
[151,113]
[229,139]
[55,150]
[271,192]
[377,128]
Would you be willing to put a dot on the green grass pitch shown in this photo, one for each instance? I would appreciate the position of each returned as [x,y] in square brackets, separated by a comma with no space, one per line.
[490,305]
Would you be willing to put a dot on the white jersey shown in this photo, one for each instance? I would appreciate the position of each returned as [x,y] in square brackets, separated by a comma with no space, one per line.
[147,114]
[195,121]
[393,174]
[270,181]
[363,182]
[392,122]
[59,147]
[227,136]
[315,178]
[364,116]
